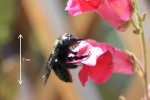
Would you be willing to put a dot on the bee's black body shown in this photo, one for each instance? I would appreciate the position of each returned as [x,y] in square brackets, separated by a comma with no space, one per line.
[59,55]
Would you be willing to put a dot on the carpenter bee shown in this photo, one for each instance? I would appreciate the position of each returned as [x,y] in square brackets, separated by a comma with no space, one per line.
[59,56]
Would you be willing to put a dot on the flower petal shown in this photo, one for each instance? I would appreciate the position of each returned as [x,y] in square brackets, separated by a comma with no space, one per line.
[102,71]
[105,11]
[83,74]
[99,73]
[122,63]
[76,7]
[104,47]
[95,53]
[122,8]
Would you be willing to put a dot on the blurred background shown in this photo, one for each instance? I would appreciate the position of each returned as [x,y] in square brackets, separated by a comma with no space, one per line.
[40,22]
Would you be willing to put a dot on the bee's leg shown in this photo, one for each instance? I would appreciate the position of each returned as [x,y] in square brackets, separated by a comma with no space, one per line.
[79,39]
[73,52]
[71,66]
[67,65]
[76,57]
[74,40]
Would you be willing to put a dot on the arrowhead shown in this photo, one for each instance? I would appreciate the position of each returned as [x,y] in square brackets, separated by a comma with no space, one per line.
[20,36]
[20,81]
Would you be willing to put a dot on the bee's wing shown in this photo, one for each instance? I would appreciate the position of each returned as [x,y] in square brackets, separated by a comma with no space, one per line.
[62,72]
[49,66]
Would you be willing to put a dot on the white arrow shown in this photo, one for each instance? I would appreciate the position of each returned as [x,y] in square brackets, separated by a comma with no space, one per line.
[20,81]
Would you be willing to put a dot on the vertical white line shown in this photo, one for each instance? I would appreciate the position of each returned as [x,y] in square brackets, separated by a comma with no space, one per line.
[20,81]
[20,58]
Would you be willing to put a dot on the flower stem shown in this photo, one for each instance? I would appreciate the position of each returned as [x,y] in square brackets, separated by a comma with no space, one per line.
[134,25]
[142,35]
[140,67]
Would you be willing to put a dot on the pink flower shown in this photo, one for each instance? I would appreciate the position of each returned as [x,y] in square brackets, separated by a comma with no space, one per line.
[101,61]
[116,12]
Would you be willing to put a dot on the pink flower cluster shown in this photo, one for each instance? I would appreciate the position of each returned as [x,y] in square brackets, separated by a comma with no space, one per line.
[101,61]
[116,12]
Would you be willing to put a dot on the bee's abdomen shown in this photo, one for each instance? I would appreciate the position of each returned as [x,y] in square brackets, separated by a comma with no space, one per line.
[62,73]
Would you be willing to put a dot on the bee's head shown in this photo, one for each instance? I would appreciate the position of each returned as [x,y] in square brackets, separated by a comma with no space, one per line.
[68,39]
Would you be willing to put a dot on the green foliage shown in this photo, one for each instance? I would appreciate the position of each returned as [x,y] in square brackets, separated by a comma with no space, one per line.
[8,10]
